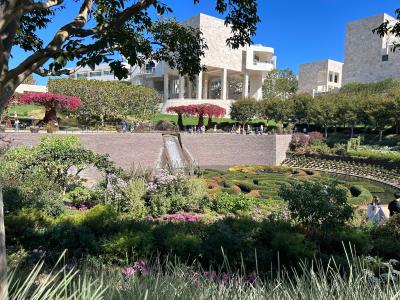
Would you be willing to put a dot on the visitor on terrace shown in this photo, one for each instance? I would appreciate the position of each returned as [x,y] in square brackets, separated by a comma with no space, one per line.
[394,206]
[375,212]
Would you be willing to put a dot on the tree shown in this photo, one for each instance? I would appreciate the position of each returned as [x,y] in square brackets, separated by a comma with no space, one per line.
[244,110]
[212,110]
[323,111]
[348,110]
[51,102]
[380,110]
[103,28]
[275,109]
[317,204]
[179,110]
[280,83]
[108,100]
[301,107]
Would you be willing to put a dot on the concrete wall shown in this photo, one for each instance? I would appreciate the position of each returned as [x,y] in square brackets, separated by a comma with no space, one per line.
[213,150]
[364,50]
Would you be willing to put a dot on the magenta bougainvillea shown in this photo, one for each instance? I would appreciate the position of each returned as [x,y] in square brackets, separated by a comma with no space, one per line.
[51,102]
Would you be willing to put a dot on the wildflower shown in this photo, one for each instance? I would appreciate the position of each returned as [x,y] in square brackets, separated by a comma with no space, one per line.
[251,278]
[128,272]
[141,267]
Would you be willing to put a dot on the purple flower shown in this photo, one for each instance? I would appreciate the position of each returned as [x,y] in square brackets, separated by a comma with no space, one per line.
[141,267]
[128,272]
[251,278]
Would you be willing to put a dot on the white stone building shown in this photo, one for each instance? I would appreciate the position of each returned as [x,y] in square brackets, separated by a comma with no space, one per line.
[320,77]
[369,57]
[231,74]
[102,72]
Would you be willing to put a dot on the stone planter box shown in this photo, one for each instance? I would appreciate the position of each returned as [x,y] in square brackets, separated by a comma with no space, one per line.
[2,128]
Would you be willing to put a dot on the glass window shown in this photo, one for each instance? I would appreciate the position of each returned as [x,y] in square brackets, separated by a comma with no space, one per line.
[330,77]
[95,74]
[107,72]
[82,75]
[385,57]
[336,78]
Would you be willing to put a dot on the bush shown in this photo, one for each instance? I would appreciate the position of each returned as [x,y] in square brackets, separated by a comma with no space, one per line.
[231,203]
[360,195]
[317,203]
[81,195]
[390,156]
[133,195]
[165,126]
[244,110]
[319,147]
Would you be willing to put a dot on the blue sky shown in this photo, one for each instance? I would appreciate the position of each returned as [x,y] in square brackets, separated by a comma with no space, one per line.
[300,31]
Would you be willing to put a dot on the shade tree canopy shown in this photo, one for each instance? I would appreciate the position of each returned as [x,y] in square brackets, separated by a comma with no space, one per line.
[103,31]
[280,84]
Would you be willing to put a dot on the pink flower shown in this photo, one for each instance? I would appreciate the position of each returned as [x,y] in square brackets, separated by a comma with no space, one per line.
[128,272]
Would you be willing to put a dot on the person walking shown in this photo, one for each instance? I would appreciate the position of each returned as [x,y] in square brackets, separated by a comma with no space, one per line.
[394,206]
[375,212]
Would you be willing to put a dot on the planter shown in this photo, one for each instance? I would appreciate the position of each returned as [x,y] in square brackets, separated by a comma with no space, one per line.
[120,130]
[2,128]
[34,129]
[50,130]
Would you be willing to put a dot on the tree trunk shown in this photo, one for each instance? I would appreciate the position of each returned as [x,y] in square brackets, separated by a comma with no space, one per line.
[351,131]
[201,121]
[397,128]
[380,135]
[326,132]
[210,122]
[50,116]
[180,122]
[3,255]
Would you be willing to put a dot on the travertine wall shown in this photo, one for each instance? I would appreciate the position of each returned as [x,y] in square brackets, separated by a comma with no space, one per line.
[364,50]
[219,150]
[213,150]
[215,32]
[314,74]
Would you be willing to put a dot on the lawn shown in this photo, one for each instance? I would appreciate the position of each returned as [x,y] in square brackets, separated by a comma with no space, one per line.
[26,111]
[194,120]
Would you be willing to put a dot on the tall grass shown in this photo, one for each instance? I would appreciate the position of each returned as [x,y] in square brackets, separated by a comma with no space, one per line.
[180,281]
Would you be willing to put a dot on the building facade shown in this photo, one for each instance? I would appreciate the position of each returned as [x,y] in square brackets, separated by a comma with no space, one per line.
[102,72]
[369,57]
[231,73]
[320,77]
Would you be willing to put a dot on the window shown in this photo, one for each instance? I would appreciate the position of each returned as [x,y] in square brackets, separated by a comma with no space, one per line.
[336,78]
[385,57]
[95,74]
[330,77]
[107,72]
[82,75]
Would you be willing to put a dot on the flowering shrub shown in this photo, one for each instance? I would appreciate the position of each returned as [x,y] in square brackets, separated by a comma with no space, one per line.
[181,217]
[315,136]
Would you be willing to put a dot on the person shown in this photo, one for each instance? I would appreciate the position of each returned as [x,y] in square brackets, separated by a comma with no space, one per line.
[203,129]
[261,129]
[394,206]
[375,212]
[16,124]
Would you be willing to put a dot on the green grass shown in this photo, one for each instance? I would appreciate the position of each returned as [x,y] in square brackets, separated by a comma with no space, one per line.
[23,110]
[194,120]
